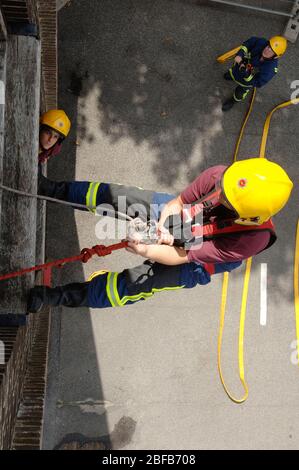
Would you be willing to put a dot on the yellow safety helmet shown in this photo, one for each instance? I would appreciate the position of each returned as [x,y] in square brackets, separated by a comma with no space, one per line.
[278,44]
[256,189]
[57,120]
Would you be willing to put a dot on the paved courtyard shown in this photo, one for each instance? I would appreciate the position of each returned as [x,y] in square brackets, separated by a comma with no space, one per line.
[140,81]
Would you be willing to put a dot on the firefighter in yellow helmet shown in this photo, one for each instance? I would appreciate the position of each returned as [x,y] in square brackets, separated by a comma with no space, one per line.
[54,128]
[255,64]
[236,204]
[256,189]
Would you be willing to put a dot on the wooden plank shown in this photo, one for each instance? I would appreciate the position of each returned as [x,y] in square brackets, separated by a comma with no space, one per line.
[2,106]
[13,2]
[15,7]
[18,15]
[18,215]
[3,32]
[11,10]
[32,6]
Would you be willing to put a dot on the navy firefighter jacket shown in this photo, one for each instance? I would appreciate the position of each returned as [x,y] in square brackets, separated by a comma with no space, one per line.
[262,72]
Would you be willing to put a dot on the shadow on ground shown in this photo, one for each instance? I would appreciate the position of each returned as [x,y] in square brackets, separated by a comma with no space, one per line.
[153,66]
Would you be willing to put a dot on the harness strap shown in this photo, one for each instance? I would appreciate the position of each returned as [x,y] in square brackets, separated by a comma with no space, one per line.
[215,229]
[206,202]
[212,230]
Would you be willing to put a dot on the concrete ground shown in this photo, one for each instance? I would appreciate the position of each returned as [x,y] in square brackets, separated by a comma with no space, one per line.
[141,85]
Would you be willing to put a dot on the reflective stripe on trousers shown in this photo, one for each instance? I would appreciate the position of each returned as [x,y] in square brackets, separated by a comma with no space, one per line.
[116,301]
[115,289]
[135,201]
[240,94]
[112,289]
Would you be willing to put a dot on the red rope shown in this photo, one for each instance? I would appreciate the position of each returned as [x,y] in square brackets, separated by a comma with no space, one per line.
[85,255]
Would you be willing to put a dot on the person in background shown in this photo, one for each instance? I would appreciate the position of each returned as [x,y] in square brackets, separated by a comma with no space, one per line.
[255,64]
[54,128]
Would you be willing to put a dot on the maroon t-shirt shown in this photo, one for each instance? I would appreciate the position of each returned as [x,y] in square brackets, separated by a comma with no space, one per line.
[233,247]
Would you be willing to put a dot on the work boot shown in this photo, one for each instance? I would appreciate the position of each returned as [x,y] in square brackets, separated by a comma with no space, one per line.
[228,104]
[36,299]
[71,295]
[227,76]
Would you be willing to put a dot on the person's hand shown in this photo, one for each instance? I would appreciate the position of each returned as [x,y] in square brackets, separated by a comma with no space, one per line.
[238,59]
[165,236]
[137,248]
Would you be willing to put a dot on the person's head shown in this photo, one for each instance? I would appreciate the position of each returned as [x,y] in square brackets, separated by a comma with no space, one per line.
[255,189]
[276,47]
[48,137]
[54,127]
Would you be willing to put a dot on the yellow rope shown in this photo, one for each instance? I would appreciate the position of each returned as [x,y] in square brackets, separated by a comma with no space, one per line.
[244,124]
[228,55]
[296,258]
[296,287]
[244,296]
[248,269]
[267,124]
[241,332]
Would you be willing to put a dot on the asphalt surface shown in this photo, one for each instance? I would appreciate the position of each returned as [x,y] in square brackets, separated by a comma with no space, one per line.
[141,84]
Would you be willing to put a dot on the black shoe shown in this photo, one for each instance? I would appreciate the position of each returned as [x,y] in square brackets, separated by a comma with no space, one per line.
[35,300]
[227,76]
[71,295]
[228,104]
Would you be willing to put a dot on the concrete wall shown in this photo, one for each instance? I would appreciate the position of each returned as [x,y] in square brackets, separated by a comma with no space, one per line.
[23,371]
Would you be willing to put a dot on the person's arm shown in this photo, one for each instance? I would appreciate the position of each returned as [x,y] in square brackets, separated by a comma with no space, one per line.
[245,49]
[163,254]
[262,77]
[175,206]
[194,191]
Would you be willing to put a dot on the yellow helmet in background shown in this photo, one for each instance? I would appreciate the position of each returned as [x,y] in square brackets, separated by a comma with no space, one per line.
[278,44]
[256,189]
[57,120]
